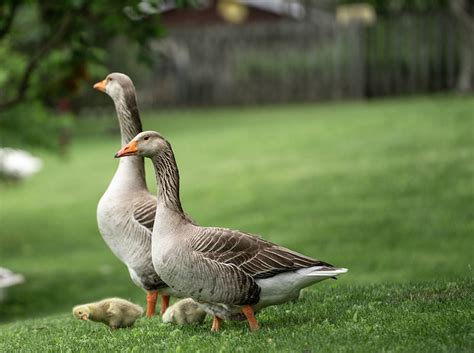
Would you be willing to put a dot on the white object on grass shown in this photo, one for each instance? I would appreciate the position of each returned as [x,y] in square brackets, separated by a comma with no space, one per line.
[18,164]
[8,279]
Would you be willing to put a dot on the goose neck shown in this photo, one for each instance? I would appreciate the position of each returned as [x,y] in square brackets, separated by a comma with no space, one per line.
[128,117]
[131,172]
[167,178]
[130,126]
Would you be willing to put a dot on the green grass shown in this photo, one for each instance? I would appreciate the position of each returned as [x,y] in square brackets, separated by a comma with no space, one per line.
[384,188]
[422,317]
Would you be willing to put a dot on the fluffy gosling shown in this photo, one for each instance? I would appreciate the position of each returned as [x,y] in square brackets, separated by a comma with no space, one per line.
[185,311]
[114,312]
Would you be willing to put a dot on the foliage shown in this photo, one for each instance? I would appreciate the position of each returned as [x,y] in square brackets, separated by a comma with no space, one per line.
[68,37]
[31,124]
[48,49]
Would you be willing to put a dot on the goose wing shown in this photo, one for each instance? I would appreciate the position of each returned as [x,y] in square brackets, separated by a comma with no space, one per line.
[144,212]
[141,227]
[253,255]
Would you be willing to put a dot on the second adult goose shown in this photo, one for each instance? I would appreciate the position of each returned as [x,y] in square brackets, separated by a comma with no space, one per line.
[126,211]
[228,271]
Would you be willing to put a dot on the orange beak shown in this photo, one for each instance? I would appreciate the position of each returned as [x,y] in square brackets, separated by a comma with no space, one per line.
[84,317]
[100,86]
[128,150]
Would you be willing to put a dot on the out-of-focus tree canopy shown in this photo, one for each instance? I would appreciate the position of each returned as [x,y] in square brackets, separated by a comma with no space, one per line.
[56,44]
[48,49]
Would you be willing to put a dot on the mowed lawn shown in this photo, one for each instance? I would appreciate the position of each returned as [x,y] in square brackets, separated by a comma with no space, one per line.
[384,188]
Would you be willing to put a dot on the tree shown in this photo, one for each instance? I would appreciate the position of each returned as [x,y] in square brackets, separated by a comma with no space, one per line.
[67,36]
[48,49]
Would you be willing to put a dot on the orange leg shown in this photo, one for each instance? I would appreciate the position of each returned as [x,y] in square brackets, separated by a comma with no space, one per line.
[151,298]
[248,312]
[216,324]
[165,302]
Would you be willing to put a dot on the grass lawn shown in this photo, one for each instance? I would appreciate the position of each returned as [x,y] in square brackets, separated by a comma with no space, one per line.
[384,188]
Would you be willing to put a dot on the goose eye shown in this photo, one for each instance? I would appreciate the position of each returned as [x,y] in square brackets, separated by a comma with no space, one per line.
[146,138]
[80,312]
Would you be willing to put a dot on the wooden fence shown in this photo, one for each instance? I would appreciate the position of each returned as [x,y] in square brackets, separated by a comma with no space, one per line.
[409,55]
[297,61]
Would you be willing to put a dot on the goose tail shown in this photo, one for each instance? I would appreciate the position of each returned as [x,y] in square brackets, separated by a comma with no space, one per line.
[325,272]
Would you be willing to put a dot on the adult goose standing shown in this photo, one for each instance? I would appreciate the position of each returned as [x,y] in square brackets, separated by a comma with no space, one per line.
[228,271]
[126,211]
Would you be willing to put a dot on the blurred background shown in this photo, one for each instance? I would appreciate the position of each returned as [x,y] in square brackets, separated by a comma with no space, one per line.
[341,129]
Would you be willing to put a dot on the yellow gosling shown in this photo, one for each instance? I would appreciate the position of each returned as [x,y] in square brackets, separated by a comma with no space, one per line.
[114,312]
[185,311]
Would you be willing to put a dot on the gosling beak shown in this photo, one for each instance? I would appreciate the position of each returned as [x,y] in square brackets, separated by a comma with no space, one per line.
[85,317]
[128,150]
[100,86]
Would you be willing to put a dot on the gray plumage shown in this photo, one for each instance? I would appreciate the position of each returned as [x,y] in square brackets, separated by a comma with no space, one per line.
[126,211]
[221,268]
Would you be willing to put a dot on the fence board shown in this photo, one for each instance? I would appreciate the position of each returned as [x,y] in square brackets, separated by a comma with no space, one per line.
[287,61]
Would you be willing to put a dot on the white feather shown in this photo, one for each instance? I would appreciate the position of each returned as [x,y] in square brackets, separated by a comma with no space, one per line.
[327,273]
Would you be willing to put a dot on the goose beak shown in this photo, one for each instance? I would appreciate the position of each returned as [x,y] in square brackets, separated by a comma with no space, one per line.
[85,317]
[100,86]
[128,150]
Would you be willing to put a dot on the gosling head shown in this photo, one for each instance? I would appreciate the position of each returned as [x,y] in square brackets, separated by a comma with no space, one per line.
[81,312]
[145,144]
[116,85]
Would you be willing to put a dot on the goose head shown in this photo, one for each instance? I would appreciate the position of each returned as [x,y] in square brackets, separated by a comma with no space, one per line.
[81,312]
[116,85]
[146,144]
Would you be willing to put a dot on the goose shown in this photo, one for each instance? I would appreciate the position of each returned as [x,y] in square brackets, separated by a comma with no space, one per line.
[127,230]
[227,271]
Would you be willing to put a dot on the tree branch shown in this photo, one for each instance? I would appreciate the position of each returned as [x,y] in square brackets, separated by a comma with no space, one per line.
[34,62]
[9,19]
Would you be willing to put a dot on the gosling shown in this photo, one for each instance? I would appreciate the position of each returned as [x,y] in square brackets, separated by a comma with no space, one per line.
[114,312]
[185,311]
